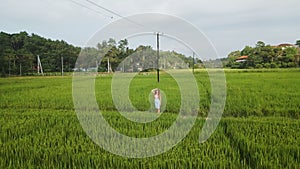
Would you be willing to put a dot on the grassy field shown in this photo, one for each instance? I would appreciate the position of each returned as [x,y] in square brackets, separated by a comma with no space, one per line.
[259,128]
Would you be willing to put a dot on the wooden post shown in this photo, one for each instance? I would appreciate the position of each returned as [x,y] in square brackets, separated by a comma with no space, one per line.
[157,57]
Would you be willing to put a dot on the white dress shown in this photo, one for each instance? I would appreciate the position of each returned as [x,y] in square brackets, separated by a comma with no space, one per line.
[156,101]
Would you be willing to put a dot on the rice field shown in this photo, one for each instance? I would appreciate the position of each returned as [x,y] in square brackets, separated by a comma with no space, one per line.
[259,129]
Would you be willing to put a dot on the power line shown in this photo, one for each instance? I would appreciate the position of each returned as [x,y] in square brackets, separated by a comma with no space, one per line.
[108,10]
[115,13]
[84,6]
[136,23]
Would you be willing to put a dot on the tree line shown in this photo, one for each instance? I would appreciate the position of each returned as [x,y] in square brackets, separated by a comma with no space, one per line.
[19,51]
[265,56]
[18,54]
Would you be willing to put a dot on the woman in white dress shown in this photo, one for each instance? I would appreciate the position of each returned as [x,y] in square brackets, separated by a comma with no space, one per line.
[157,100]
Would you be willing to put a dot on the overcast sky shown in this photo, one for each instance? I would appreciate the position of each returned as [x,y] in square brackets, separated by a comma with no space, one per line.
[229,24]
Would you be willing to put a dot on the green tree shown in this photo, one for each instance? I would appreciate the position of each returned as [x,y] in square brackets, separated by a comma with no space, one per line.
[232,57]
[298,43]
[23,59]
[260,44]
[289,56]
[248,50]
[5,53]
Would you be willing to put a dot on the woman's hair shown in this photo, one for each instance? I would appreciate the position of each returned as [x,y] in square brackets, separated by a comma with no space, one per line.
[156,91]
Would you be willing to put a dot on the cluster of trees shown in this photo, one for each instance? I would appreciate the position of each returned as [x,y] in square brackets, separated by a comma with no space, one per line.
[18,54]
[19,51]
[265,56]
[122,58]
[97,57]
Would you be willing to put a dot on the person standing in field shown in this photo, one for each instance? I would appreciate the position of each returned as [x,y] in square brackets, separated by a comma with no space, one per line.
[157,99]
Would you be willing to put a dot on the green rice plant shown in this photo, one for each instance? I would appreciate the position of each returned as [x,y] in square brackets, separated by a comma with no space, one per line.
[39,127]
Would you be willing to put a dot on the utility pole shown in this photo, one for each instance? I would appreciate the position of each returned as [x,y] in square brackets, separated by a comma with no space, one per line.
[123,67]
[193,62]
[108,65]
[62,66]
[39,65]
[96,65]
[157,57]
[20,69]
[9,67]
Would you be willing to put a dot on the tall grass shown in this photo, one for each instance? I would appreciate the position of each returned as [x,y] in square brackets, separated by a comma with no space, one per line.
[252,93]
[39,127]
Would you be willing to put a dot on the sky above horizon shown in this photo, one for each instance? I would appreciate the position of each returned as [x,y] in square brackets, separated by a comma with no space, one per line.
[229,25]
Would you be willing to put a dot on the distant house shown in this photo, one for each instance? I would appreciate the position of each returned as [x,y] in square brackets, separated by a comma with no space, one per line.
[297,57]
[241,59]
[285,45]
